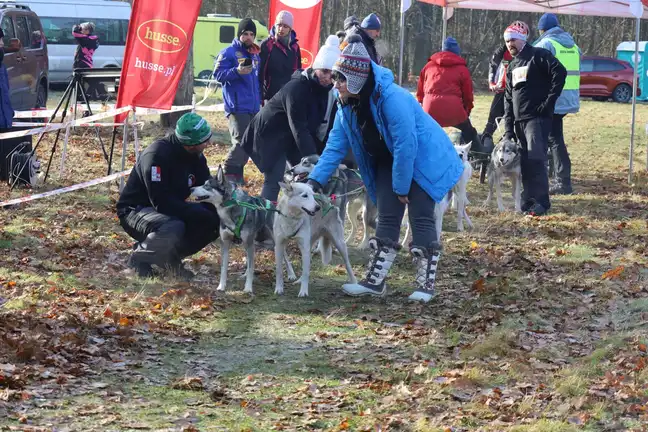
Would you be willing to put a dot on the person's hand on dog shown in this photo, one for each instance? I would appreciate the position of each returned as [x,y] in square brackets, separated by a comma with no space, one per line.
[314,184]
[403,199]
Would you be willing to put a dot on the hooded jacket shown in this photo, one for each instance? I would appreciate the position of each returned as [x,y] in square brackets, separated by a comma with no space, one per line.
[421,150]
[445,89]
[240,92]
[569,100]
[87,45]
[277,63]
[288,123]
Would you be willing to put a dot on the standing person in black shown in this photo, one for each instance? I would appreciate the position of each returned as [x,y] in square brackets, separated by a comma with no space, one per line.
[280,56]
[534,81]
[152,207]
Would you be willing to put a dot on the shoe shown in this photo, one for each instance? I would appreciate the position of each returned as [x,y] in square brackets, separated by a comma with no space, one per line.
[536,210]
[561,189]
[427,261]
[142,270]
[487,144]
[383,253]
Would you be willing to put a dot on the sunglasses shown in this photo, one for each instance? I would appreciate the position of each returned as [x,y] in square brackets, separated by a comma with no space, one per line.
[337,76]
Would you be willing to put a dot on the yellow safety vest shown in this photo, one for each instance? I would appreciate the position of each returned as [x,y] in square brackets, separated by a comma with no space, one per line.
[570,58]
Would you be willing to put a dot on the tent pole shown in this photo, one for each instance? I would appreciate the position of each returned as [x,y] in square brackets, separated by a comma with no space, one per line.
[402,47]
[445,25]
[634,99]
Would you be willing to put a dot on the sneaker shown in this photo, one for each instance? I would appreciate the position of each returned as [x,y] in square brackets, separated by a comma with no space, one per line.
[382,258]
[536,210]
[427,261]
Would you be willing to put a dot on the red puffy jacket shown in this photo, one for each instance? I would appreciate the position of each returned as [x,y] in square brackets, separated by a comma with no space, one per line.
[445,89]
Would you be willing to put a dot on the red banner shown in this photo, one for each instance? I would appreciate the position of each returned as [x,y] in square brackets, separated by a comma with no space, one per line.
[159,39]
[308,19]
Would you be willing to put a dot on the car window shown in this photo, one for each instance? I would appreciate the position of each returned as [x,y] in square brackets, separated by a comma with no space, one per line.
[607,66]
[22,31]
[8,29]
[37,38]
[58,31]
[587,66]
[226,34]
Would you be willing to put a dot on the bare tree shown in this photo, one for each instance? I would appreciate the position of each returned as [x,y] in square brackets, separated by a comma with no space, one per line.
[184,93]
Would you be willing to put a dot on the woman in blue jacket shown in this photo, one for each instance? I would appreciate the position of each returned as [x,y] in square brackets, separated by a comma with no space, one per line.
[404,157]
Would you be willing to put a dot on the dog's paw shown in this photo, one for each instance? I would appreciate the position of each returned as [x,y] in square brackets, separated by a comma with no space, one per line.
[220,288]
[303,293]
[460,227]
[292,278]
[279,290]
[297,281]
[248,291]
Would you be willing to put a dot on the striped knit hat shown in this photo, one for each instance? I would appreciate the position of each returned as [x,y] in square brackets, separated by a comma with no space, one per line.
[354,64]
[192,130]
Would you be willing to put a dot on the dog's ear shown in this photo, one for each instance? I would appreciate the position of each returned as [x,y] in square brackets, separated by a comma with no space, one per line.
[287,187]
[466,147]
[220,175]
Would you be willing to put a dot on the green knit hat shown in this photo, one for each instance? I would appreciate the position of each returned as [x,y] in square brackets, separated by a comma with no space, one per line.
[192,130]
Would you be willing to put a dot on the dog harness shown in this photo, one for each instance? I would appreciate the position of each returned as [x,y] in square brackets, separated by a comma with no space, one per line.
[257,203]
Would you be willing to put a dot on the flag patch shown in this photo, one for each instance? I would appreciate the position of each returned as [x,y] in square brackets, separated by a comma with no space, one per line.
[156,174]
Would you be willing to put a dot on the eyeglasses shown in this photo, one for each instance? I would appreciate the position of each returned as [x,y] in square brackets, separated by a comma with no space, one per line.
[337,76]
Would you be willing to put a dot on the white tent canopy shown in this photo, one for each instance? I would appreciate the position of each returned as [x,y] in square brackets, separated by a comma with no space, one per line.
[606,8]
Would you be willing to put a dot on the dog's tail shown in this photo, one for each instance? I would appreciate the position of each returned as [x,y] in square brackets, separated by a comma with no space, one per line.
[326,250]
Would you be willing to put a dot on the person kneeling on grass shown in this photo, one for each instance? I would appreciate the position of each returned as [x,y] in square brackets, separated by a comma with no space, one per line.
[404,157]
[152,207]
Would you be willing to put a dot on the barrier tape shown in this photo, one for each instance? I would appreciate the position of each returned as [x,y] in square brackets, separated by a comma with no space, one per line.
[65,189]
[211,108]
[72,188]
[56,126]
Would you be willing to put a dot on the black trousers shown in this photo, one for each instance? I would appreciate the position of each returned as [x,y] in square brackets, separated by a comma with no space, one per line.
[165,240]
[496,110]
[559,153]
[469,133]
[533,135]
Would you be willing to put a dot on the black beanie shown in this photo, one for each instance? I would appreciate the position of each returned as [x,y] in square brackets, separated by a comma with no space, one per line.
[246,24]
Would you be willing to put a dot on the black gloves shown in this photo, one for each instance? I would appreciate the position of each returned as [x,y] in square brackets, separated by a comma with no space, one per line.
[317,188]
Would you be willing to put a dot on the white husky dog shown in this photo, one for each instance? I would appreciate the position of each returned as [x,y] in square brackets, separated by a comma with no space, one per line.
[301,217]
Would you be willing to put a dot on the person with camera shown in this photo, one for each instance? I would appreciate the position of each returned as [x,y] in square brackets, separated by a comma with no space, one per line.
[237,69]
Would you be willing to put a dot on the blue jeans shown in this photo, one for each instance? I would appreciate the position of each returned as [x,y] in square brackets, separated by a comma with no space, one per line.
[391,211]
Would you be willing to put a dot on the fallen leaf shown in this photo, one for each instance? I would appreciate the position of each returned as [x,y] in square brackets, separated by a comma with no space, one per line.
[107,313]
[188,383]
[479,285]
[615,273]
[642,348]
[123,321]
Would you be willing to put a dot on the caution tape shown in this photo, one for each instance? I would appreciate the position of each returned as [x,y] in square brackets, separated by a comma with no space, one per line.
[65,189]
[211,108]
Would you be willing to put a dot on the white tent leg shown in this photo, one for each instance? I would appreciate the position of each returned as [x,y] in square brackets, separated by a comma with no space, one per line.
[445,25]
[634,100]
[402,47]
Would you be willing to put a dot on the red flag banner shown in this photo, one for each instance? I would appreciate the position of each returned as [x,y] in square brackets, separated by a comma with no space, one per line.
[308,19]
[159,39]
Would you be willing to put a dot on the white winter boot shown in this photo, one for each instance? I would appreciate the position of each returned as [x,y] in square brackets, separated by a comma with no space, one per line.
[383,253]
[427,261]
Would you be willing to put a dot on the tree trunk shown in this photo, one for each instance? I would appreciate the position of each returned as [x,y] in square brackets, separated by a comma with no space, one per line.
[184,94]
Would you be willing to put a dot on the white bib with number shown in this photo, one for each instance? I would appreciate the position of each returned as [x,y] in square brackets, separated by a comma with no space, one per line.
[520,75]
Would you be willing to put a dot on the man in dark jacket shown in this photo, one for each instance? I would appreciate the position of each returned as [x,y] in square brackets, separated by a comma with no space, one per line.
[152,207]
[534,81]
[237,69]
[280,56]
[369,30]
[287,127]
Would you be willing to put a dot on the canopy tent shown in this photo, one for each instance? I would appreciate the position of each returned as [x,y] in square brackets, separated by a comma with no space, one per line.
[606,8]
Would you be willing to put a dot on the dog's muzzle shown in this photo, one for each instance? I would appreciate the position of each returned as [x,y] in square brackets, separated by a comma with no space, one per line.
[311,213]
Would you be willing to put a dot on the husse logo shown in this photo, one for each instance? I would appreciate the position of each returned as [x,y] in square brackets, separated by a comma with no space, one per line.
[162,36]
[307,58]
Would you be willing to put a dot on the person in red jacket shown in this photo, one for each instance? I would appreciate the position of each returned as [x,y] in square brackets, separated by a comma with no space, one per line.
[445,90]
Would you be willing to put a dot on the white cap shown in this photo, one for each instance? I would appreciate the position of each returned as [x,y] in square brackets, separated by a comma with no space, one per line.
[328,54]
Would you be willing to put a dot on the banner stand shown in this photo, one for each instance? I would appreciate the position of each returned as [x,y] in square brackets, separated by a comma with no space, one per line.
[124,149]
[64,154]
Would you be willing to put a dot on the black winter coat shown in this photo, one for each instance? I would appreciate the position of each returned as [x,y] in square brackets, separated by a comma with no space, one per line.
[277,64]
[162,178]
[534,81]
[288,123]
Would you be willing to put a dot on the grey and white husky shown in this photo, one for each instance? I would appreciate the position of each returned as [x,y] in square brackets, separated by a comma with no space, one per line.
[505,162]
[300,216]
[241,218]
[353,198]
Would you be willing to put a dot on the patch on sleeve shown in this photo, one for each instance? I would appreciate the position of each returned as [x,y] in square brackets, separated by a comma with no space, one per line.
[156,174]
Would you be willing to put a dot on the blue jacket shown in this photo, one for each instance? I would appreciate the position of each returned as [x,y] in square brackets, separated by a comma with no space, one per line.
[421,149]
[6,111]
[241,93]
[569,100]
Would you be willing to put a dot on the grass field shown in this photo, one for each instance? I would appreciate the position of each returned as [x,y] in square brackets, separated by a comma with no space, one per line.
[540,324]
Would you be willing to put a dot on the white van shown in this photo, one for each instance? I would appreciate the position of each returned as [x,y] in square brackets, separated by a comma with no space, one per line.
[59,16]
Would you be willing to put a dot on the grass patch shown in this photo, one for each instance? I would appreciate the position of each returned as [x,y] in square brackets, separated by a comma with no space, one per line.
[546,426]
[499,342]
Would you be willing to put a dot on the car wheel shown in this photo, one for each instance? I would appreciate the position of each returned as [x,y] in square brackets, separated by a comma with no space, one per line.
[622,93]
[41,96]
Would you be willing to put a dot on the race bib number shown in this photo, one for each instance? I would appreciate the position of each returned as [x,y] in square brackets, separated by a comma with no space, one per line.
[520,75]
[156,174]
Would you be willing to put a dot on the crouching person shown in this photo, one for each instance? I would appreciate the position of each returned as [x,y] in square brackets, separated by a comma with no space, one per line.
[404,157]
[152,207]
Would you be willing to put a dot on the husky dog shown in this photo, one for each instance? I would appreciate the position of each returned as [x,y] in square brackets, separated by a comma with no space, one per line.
[505,161]
[300,216]
[348,186]
[241,218]
[457,198]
